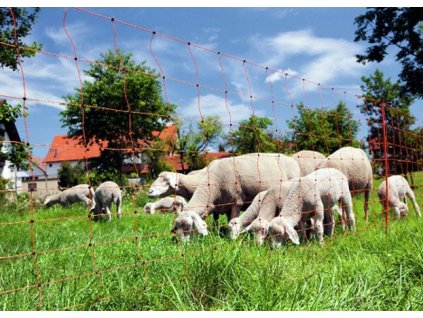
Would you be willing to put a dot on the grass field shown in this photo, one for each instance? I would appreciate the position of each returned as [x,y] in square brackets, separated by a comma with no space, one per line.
[133,264]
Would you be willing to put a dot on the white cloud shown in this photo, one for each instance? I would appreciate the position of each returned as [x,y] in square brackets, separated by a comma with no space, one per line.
[325,58]
[211,104]
[280,74]
[59,36]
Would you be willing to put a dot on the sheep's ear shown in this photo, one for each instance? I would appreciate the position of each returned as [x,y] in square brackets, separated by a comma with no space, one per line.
[292,234]
[199,224]
[171,179]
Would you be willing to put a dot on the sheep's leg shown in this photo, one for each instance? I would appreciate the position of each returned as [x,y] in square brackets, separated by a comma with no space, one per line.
[367,191]
[347,202]
[328,223]
[318,222]
[340,212]
[119,212]
[108,213]
[397,212]
[410,194]
[235,209]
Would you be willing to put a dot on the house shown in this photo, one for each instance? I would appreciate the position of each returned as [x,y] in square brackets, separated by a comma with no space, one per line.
[35,179]
[64,148]
[8,135]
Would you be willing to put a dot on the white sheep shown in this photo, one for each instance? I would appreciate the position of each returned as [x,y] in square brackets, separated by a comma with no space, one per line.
[314,197]
[308,160]
[230,184]
[166,204]
[398,188]
[236,225]
[79,193]
[168,183]
[271,206]
[355,165]
[106,194]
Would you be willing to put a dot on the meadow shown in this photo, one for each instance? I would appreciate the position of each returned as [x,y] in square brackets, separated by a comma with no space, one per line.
[56,259]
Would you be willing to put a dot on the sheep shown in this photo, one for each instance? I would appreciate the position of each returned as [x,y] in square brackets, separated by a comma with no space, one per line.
[171,204]
[314,197]
[169,183]
[398,188]
[107,193]
[355,165]
[308,160]
[78,193]
[239,223]
[272,204]
[230,183]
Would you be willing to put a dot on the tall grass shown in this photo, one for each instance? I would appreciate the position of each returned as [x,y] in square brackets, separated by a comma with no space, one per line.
[133,264]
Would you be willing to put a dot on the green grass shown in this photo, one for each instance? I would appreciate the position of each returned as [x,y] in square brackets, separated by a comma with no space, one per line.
[368,270]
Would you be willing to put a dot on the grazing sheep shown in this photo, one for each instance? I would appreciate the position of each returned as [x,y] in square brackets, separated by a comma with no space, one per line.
[355,165]
[169,183]
[78,193]
[230,184]
[314,197]
[239,223]
[166,204]
[271,206]
[107,193]
[308,160]
[398,188]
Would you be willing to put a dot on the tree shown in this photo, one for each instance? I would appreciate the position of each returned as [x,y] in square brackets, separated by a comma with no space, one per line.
[401,28]
[17,153]
[252,135]
[398,121]
[23,20]
[121,105]
[323,130]
[192,143]
[70,175]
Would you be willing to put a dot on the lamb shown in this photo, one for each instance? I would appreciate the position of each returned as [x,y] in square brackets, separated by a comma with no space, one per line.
[308,160]
[398,188]
[355,165]
[169,183]
[239,223]
[171,204]
[272,204]
[229,185]
[107,193]
[78,193]
[314,197]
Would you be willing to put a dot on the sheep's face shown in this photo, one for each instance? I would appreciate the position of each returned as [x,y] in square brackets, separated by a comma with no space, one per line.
[260,229]
[234,228]
[47,202]
[186,224]
[403,209]
[148,208]
[164,185]
[276,234]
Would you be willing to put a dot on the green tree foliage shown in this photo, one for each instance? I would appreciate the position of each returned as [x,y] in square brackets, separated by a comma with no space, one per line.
[400,28]
[70,175]
[252,135]
[24,19]
[100,110]
[192,143]
[398,120]
[323,130]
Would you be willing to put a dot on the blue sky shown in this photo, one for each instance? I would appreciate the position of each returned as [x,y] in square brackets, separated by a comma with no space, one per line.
[315,44]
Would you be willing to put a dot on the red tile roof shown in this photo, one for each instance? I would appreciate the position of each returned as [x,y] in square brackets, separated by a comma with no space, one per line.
[64,148]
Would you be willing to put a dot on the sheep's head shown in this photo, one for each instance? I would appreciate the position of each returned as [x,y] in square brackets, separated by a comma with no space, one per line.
[234,228]
[165,184]
[149,208]
[48,202]
[280,231]
[188,222]
[403,209]
[260,228]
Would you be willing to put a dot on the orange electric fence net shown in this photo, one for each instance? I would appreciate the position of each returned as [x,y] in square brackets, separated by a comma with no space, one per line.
[60,251]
